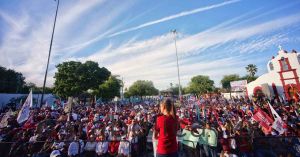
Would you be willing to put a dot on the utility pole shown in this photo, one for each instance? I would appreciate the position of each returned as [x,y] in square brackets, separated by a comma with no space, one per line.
[179,85]
[41,103]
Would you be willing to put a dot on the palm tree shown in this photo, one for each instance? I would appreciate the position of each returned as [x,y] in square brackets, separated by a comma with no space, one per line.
[251,69]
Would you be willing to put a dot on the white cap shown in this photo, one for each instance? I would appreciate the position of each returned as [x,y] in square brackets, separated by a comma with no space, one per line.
[55,153]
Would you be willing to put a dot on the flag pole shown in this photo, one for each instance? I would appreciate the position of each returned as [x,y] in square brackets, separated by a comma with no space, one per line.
[45,78]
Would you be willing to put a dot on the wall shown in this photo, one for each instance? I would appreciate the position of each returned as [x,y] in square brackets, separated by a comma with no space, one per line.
[5,98]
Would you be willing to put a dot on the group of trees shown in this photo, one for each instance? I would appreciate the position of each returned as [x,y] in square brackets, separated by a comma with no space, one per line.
[200,84]
[141,88]
[14,82]
[251,69]
[75,78]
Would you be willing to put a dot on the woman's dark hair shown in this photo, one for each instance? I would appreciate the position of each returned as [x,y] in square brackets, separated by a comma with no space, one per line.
[169,106]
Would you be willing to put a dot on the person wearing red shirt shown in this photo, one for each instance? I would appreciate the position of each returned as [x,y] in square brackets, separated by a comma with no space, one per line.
[113,147]
[165,130]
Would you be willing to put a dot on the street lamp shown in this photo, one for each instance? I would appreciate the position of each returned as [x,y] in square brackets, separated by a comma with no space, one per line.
[174,32]
[49,53]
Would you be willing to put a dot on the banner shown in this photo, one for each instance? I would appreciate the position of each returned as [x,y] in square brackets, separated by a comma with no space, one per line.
[278,124]
[25,110]
[237,86]
[263,118]
[3,122]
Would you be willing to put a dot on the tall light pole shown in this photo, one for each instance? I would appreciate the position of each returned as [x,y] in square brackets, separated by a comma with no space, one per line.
[49,54]
[122,90]
[179,85]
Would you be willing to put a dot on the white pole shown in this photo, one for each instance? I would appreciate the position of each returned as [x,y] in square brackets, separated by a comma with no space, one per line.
[179,88]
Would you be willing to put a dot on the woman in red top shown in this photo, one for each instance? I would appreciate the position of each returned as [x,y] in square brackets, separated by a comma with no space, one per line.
[165,130]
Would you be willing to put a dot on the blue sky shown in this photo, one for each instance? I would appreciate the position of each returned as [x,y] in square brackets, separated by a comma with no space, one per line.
[132,38]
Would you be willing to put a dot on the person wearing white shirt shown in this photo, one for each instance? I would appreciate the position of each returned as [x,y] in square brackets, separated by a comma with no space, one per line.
[90,147]
[73,149]
[123,150]
[101,147]
[133,131]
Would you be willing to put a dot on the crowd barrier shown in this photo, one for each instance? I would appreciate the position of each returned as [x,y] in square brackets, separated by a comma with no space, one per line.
[12,149]
[285,146]
[261,147]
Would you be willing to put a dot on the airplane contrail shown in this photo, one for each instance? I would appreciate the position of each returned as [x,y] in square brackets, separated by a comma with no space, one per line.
[185,13]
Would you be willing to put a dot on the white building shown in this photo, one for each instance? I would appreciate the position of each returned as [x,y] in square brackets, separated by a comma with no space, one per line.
[282,78]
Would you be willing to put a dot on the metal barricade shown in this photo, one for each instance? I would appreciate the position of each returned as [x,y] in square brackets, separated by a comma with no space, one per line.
[7,147]
[187,151]
[276,146]
[261,146]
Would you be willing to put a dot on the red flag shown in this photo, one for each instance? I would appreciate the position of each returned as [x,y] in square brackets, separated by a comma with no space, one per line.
[264,119]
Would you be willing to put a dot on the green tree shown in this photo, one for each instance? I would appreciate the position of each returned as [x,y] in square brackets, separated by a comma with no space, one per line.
[110,88]
[11,81]
[200,84]
[251,69]
[175,89]
[74,78]
[142,88]
[227,79]
[249,78]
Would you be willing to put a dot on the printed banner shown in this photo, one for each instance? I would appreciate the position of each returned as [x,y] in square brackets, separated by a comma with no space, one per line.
[263,118]
[237,86]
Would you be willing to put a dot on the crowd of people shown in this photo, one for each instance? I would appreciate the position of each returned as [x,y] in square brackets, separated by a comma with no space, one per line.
[224,128]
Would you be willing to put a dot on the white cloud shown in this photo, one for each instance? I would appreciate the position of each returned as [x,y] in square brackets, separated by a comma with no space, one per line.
[171,17]
[25,44]
[151,59]
[155,58]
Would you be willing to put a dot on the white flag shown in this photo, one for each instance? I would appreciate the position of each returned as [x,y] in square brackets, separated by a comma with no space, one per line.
[278,123]
[25,110]
[4,119]
[116,108]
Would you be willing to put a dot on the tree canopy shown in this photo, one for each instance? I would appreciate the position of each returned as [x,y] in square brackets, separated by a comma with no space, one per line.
[249,78]
[74,78]
[110,88]
[175,89]
[251,69]
[200,84]
[11,81]
[141,88]
[227,79]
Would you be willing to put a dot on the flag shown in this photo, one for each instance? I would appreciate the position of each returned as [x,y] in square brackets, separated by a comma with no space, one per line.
[264,119]
[278,123]
[3,122]
[197,112]
[68,107]
[25,110]
[283,98]
[204,112]
[116,108]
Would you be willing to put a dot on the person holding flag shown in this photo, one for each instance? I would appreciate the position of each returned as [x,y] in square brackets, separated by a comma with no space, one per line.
[278,123]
